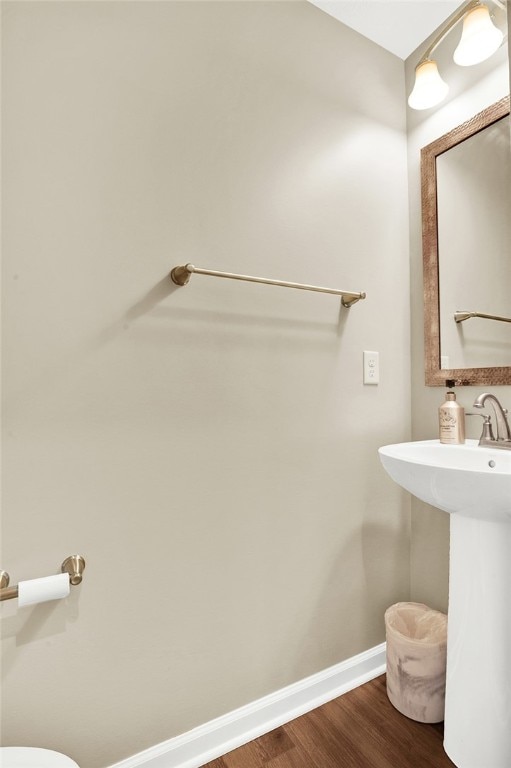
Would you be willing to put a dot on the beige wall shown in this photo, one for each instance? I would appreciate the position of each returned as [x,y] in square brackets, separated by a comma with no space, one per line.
[472,89]
[210,450]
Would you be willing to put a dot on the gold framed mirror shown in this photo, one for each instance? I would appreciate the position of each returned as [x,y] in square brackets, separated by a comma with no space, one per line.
[464,260]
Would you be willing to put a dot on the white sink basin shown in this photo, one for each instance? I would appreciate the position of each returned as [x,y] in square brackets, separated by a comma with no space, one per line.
[463,479]
[474,485]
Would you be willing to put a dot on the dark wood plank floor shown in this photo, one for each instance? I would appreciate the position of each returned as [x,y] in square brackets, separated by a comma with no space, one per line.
[358,730]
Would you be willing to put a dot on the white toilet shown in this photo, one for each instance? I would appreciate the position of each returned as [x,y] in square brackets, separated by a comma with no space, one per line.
[33,757]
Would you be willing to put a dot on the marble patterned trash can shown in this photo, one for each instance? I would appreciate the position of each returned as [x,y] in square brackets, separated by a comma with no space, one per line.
[416,660]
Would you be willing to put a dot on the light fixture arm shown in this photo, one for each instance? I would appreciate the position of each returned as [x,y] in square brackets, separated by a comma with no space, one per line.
[455,19]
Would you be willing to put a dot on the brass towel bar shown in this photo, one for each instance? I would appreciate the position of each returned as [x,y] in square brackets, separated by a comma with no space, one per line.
[181,276]
[460,316]
[74,565]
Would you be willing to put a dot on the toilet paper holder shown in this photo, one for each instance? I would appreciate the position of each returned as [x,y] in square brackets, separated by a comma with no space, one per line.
[73,565]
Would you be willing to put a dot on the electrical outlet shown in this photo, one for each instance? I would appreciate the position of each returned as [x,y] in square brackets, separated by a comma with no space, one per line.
[371,367]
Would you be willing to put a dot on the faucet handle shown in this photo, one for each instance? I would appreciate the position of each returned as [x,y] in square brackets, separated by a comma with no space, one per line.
[487,433]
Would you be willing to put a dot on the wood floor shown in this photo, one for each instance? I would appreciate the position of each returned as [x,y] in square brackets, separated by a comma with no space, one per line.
[358,730]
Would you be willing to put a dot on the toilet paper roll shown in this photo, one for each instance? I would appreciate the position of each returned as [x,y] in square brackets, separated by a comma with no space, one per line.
[41,590]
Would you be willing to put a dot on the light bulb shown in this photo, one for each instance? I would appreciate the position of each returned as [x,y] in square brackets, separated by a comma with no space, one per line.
[480,38]
[429,88]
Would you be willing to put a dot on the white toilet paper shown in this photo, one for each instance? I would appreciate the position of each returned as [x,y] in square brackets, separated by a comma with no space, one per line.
[40,590]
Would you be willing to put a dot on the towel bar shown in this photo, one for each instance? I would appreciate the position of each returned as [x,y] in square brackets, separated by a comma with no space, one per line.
[181,276]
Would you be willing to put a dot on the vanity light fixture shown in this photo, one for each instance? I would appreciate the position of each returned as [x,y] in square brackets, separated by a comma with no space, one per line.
[480,39]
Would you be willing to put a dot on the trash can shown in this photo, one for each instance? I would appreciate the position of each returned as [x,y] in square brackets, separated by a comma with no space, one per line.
[416,660]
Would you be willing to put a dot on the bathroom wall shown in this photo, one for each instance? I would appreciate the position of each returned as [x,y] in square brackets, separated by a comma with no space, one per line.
[210,450]
[471,90]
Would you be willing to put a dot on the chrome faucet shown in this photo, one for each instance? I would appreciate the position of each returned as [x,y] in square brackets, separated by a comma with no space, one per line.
[503,432]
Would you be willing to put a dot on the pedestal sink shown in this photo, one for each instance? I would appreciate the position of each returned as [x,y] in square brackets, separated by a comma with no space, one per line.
[473,484]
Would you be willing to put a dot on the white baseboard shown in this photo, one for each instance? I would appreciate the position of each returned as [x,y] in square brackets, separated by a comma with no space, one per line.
[217,737]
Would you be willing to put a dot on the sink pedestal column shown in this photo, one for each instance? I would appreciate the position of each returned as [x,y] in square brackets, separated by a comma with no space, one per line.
[478,686]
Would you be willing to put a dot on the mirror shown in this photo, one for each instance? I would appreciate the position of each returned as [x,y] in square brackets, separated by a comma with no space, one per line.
[466,234]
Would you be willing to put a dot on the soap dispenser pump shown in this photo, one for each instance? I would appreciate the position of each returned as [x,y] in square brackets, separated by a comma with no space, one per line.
[451,418]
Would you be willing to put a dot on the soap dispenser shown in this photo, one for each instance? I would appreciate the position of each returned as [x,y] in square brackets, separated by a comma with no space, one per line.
[451,418]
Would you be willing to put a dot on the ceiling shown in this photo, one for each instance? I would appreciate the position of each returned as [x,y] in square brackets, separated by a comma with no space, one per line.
[400,26]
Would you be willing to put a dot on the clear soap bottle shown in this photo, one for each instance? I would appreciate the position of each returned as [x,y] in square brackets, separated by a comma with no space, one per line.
[451,419]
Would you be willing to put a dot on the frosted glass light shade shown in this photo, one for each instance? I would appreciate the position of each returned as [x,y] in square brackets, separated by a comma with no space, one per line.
[429,88]
[480,38]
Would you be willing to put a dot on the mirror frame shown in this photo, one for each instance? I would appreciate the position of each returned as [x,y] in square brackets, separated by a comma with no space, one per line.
[435,376]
